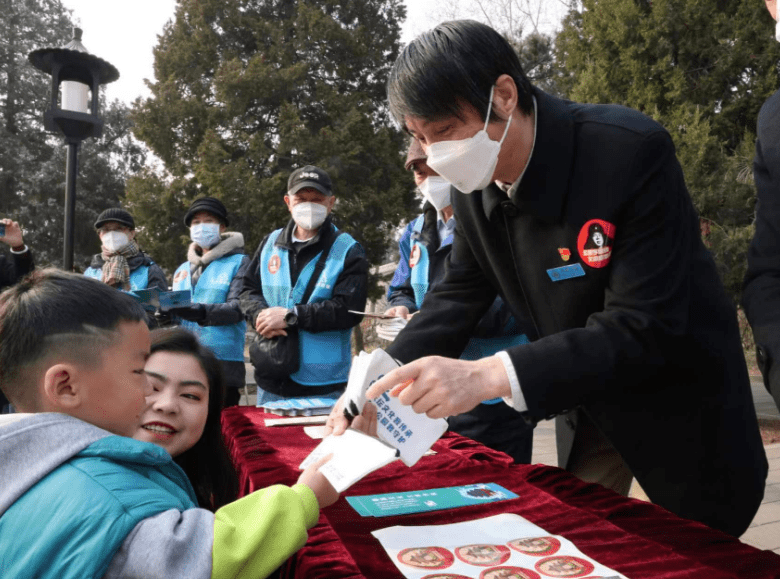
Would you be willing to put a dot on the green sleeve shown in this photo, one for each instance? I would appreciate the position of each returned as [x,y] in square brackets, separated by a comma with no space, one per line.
[256,534]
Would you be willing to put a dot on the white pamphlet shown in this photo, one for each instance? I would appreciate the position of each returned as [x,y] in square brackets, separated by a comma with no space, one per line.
[401,431]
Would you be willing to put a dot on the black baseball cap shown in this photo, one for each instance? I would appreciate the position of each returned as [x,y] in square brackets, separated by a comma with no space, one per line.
[309,177]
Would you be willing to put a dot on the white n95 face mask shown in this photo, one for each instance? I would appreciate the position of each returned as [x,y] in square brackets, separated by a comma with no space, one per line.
[436,190]
[777,31]
[309,215]
[114,240]
[469,163]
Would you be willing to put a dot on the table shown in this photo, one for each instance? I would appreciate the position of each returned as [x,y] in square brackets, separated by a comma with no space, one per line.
[638,539]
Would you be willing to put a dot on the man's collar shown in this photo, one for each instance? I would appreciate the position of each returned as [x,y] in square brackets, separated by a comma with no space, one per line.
[543,185]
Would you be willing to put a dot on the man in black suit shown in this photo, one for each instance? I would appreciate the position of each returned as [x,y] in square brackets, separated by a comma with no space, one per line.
[633,330]
[761,296]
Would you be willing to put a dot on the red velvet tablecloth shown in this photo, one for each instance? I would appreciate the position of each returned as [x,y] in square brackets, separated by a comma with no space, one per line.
[638,539]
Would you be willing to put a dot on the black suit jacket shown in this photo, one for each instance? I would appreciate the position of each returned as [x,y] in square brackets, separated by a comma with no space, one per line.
[647,343]
[761,297]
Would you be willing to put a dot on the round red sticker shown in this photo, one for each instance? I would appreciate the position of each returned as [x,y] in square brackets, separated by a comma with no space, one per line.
[181,276]
[536,546]
[483,555]
[595,242]
[427,557]
[564,566]
[508,573]
[414,256]
[273,264]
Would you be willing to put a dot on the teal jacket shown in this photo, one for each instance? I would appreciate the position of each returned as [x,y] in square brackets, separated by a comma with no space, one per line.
[77,502]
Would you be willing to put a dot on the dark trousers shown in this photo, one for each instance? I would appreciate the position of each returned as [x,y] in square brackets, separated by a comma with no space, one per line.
[499,427]
[235,378]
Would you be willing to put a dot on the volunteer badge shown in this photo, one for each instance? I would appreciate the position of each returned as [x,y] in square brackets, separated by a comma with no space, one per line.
[414,256]
[594,242]
[273,264]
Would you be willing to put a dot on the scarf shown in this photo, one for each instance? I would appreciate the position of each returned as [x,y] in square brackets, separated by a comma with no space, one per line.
[116,270]
[231,240]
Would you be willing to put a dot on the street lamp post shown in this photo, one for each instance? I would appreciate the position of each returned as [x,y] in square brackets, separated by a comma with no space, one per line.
[75,115]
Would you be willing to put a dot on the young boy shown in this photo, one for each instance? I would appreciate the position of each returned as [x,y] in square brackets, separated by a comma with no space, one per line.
[80,499]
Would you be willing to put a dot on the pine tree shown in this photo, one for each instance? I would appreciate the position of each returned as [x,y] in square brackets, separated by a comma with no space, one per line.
[248,90]
[702,68]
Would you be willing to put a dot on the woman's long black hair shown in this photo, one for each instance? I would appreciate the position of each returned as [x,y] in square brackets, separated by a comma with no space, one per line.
[207,463]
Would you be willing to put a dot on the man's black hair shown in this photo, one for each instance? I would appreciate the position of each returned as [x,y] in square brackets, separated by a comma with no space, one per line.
[454,64]
[52,312]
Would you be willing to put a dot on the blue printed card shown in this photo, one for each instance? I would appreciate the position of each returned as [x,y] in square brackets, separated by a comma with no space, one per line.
[392,504]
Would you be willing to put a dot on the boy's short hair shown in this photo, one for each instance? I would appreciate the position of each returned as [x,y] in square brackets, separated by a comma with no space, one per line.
[454,64]
[55,313]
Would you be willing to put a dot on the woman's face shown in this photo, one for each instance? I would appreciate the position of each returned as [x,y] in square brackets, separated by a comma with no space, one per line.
[179,403]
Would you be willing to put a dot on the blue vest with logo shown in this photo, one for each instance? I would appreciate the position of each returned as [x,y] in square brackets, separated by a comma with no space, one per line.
[72,522]
[325,356]
[477,348]
[139,278]
[227,342]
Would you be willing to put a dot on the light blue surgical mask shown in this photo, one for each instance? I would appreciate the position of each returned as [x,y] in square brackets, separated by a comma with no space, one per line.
[206,235]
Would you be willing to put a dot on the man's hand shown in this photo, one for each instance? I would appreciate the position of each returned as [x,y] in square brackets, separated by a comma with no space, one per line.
[13,234]
[444,387]
[316,481]
[270,322]
[398,312]
[337,422]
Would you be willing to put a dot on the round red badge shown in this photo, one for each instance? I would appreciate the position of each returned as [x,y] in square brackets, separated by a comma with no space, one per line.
[446,576]
[273,264]
[414,255]
[181,276]
[536,546]
[427,557]
[564,566]
[595,242]
[483,555]
[508,573]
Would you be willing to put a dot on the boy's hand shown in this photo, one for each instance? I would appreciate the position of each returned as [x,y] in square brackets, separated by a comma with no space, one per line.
[316,481]
[337,423]
[13,234]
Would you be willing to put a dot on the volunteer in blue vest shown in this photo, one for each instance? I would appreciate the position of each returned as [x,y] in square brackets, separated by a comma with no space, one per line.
[423,249]
[121,263]
[278,276]
[213,270]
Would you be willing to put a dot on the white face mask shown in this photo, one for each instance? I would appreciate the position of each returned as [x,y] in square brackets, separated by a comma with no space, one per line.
[436,190]
[469,163]
[206,235]
[309,215]
[777,31]
[114,240]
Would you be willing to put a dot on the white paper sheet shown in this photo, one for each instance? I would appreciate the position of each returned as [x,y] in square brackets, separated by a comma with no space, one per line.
[354,456]
[503,546]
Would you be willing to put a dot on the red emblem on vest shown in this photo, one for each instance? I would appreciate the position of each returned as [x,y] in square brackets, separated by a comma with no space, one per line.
[414,256]
[595,242]
[273,264]
[565,253]
[182,275]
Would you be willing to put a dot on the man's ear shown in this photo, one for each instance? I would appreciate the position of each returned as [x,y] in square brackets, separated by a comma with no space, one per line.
[287,200]
[504,96]
[331,202]
[61,388]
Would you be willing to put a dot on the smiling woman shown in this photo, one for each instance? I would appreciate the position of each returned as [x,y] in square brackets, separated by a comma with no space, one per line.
[184,411]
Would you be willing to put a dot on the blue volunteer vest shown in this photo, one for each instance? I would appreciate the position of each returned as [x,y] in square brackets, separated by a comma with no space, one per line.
[325,356]
[139,278]
[227,342]
[477,348]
